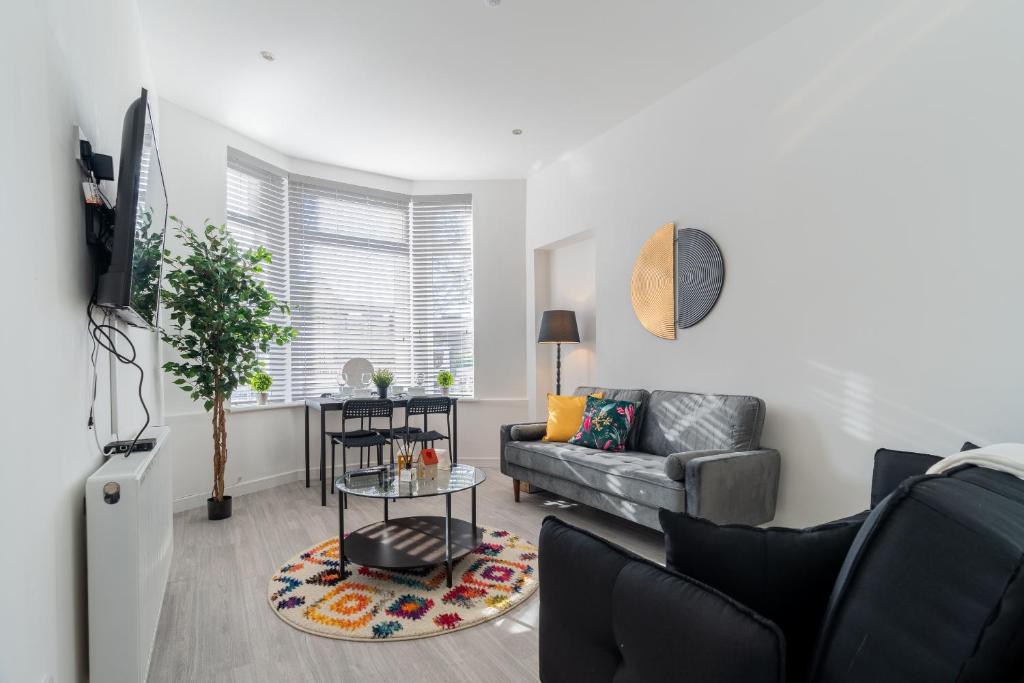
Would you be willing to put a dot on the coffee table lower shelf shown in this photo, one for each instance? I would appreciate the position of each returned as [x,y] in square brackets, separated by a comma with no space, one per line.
[410,542]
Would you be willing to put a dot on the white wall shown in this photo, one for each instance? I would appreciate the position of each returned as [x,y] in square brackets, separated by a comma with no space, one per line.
[65,63]
[861,169]
[265,445]
[565,278]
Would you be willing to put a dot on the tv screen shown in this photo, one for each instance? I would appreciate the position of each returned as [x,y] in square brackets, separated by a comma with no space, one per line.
[131,283]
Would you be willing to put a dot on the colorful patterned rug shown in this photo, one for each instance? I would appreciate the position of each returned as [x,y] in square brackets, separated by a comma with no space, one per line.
[376,604]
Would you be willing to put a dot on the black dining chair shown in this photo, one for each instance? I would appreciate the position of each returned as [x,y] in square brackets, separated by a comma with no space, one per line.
[425,406]
[363,409]
[349,434]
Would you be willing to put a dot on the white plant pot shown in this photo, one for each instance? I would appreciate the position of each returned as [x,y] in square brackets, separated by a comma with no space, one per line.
[262,397]
[445,390]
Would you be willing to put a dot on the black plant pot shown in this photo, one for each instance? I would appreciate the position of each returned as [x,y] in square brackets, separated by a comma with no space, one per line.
[221,510]
[382,392]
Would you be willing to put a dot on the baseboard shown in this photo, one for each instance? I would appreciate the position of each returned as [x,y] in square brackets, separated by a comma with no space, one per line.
[480,462]
[241,488]
[262,483]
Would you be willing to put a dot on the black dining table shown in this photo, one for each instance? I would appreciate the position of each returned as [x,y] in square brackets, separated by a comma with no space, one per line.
[325,404]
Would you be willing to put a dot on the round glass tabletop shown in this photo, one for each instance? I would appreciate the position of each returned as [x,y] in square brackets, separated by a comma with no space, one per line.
[458,478]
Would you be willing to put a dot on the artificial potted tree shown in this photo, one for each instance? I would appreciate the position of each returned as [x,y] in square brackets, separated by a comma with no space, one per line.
[445,380]
[261,382]
[382,379]
[220,311]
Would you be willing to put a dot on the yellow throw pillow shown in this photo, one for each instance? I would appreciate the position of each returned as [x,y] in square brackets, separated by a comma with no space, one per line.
[564,416]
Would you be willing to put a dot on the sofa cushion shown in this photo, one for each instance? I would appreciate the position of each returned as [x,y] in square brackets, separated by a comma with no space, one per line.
[605,424]
[529,431]
[933,586]
[785,575]
[679,421]
[634,476]
[608,615]
[564,416]
[637,396]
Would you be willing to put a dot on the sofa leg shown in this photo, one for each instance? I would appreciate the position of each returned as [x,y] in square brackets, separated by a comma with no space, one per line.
[515,489]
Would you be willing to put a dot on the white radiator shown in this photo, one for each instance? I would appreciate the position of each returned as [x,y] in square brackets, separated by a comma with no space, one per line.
[129,539]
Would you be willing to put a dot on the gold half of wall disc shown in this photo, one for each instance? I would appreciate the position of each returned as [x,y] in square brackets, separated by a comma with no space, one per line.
[653,289]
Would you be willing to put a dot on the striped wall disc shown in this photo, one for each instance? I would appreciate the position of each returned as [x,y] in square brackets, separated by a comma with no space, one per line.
[701,273]
[653,286]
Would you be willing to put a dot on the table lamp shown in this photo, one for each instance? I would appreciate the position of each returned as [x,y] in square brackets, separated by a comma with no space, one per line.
[558,327]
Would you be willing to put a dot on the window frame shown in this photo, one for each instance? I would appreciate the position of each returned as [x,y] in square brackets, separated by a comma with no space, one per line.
[302,383]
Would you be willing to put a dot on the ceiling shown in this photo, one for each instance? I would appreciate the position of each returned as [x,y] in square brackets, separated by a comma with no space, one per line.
[431,89]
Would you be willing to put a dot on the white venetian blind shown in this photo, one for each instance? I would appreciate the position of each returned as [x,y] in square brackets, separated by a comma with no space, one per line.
[441,233]
[349,270]
[257,196]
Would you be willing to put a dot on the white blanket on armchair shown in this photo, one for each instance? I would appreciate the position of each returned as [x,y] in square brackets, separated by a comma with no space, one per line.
[1005,457]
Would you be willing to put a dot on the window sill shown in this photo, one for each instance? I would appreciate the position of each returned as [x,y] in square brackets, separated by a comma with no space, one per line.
[254,407]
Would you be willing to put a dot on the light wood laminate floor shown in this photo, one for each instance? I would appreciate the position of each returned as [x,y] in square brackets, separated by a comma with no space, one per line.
[216,624]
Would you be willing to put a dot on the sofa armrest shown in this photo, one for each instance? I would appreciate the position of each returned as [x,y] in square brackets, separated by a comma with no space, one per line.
[739,487]
[675,463]
[520,431]
[598,605]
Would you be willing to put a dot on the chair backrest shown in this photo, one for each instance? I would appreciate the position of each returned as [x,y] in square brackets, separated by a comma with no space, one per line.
[367,407]
[429,405]
[426,405]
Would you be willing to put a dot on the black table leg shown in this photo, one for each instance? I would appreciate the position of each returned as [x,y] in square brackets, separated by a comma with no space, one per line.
[455,433]
[448,538]
[344,470]
[341,540]
[307,447]
[385,510]
[323,458]
[473,503]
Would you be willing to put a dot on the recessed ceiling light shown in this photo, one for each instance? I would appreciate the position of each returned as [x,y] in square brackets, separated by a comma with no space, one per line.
[517,131]
[493,3]
[267,55]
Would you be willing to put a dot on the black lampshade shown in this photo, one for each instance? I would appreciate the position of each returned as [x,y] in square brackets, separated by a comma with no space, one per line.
[558,327]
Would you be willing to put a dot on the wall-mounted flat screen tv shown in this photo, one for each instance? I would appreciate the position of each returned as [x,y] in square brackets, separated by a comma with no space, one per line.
[130,285]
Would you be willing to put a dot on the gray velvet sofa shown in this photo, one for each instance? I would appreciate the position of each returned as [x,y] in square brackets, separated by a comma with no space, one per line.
[686,452]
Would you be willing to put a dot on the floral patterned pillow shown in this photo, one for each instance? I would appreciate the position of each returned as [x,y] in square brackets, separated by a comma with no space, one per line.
[606,424]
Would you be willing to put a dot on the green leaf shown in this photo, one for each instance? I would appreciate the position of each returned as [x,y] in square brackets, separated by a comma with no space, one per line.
[219,309]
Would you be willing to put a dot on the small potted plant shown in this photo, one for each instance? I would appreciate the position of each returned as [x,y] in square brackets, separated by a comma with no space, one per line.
[260,383]
[382,379]
[445,380]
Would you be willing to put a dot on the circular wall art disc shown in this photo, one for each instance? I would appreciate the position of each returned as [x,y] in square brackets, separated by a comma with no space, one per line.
[653,286]
[701,275]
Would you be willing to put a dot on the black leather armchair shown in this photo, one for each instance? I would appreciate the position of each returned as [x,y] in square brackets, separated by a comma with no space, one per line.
[932,589]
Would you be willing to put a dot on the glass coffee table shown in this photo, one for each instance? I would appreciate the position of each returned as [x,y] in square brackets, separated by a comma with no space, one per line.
[417,541]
